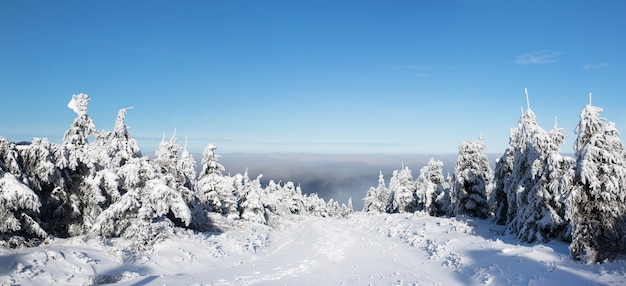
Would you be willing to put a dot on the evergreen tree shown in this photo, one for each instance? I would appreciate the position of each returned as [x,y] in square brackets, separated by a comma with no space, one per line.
[402,189]
[215,191]
[169,165]
[147,209]
[597,203]
[376,198]
[432,189]
[250,205]
[121,147]
[472,183]
[541,213]
[19,212]
[504,168]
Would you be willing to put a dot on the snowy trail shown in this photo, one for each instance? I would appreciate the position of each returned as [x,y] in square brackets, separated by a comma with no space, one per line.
[401,249]
[319,251]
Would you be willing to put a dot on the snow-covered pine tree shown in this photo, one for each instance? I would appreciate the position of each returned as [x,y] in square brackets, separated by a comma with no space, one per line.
[347,209]
[472,183]
[19,205]
[86,187]
[19,213]
[498,200]
[9,157]
[215,191]
[121,147]
[376,198]
[596,206]
[316,206]
[293,198]
[541,213]
[169,164]
[250,205]
[148,209]
[534,209]
[402,189]
[432,189]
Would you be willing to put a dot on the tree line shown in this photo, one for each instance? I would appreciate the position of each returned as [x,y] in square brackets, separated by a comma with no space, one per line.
[98,184]
[538,193]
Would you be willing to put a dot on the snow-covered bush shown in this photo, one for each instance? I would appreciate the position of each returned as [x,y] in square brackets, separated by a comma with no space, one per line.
[596,206]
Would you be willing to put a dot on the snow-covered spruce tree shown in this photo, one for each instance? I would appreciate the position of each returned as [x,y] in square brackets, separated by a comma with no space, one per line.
[402,189]
[147,210]
[432,189]
[596,206]
[294,198]
[250,204]
[86,187]
[19,213]
[76,137]
[498,200]
[376,198]
[19,205]
[169,164]
[121,147]
[215,191]
[472,181]
[534,209]
[316,206]
[541,212]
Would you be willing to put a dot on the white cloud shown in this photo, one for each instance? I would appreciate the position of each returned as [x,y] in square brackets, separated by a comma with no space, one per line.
[542,57]
[595,67]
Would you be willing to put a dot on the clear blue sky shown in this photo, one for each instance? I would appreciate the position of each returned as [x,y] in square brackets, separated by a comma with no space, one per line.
[311,76]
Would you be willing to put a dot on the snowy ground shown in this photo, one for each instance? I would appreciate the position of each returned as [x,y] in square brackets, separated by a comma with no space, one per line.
[401,249]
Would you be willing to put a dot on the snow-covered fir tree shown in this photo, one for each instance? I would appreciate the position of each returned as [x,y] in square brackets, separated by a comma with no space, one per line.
[176,172]
[541,213]
[472,181]
[597,203]
[294,198]
[148,208]
[504,167]
[19,213]
[215,191]
[19,205]
[402,192]
[250,204]
[432,189]
[377,197]
[121,147]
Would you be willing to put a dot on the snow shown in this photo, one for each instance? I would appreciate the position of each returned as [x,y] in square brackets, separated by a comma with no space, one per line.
[365,248]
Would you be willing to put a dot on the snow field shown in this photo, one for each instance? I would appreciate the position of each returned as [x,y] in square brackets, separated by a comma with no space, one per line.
[364,249]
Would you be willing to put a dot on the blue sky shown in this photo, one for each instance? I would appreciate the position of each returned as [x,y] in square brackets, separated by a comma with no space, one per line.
[311,76]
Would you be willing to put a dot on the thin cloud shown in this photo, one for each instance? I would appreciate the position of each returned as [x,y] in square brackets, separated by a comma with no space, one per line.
[595,67]
[542,57]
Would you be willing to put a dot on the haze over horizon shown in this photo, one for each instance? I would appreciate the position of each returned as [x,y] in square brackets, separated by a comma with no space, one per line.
[331,77]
